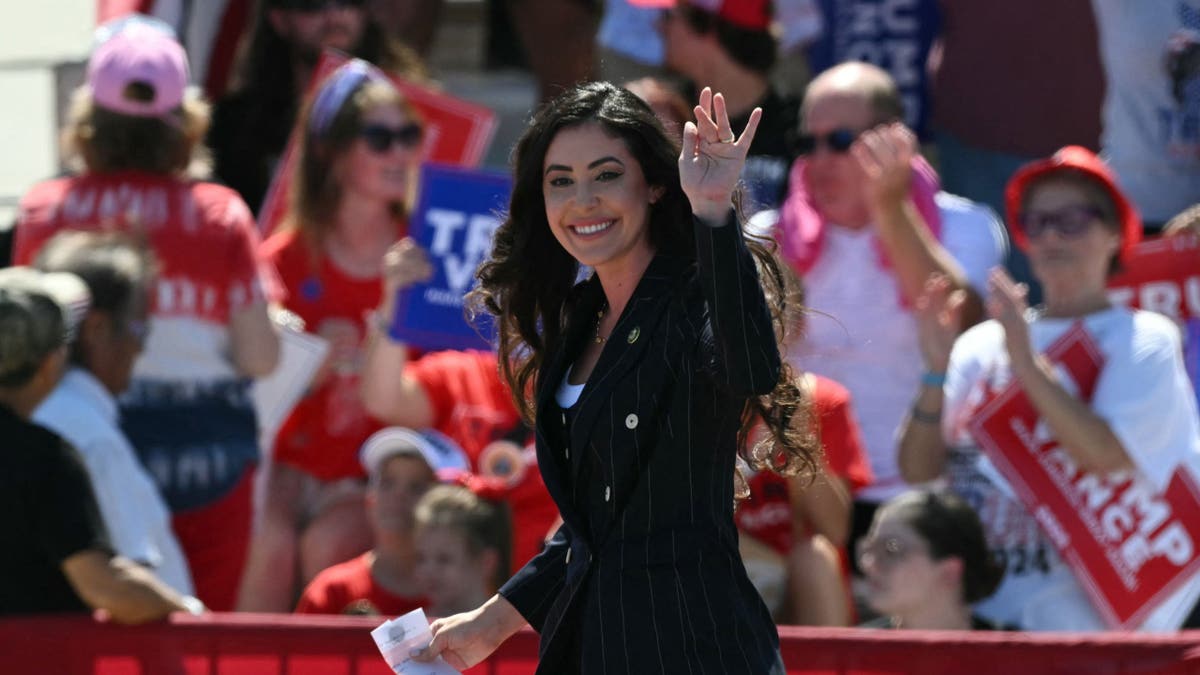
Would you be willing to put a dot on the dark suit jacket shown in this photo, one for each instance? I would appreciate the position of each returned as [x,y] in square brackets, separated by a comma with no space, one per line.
[645,575]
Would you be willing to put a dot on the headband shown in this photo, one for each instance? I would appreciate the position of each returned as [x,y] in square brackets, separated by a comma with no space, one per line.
[337,88]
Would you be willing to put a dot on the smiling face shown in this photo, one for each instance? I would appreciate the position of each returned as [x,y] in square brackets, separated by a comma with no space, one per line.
[597,200]
[378,174]
[1074,262]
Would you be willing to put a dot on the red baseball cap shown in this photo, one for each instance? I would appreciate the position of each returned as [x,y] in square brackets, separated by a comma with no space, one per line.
[749,14]
[1079,160]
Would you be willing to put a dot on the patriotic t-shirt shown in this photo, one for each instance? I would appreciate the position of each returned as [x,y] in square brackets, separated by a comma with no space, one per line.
[472,406]
[767,514]
[188,412]
[324,432]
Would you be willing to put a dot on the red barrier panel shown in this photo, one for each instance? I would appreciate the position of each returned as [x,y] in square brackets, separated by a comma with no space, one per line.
[258,644]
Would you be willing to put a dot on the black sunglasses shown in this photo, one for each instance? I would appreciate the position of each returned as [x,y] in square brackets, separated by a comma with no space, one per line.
[838,141]
[317,5]
[1069,221]
[379,138]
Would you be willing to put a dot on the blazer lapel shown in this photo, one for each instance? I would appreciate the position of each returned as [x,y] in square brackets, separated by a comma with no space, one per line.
[625,345]
[578,329]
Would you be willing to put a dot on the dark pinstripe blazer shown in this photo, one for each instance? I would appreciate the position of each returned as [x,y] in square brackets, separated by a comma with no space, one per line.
[645,575]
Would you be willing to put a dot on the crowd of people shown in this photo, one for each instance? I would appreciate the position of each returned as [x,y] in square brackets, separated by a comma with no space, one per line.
[744,347]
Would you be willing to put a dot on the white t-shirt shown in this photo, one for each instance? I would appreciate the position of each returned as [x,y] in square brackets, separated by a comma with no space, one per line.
[82,411]
[1151,137]
[860,335]
[1142,393]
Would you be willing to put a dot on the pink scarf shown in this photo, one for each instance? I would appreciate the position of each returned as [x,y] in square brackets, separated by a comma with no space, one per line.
[801,230]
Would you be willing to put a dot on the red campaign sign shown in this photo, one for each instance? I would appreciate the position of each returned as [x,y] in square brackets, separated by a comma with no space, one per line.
[1161,275]
[457,132]
[1129,548]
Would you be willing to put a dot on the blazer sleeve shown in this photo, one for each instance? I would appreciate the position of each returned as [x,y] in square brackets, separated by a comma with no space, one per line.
[743,339]
[534,587]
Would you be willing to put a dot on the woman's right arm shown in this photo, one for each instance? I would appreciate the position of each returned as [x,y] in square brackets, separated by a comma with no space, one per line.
[922,452]
[388,392]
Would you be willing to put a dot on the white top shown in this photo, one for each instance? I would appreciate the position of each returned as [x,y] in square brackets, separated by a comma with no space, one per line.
[83,412]
[1151,138]
[859,334]
[1142,393]
[567,394]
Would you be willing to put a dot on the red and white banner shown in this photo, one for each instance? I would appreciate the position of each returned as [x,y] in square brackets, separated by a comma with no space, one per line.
[1162,275]
[1130,548]
[457,132]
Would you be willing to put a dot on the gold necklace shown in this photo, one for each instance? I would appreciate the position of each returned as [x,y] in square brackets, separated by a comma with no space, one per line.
[600,339]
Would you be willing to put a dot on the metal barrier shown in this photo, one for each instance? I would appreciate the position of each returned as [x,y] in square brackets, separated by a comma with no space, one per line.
[261,644]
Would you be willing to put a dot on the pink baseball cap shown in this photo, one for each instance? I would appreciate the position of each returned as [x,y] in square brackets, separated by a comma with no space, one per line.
[138,54]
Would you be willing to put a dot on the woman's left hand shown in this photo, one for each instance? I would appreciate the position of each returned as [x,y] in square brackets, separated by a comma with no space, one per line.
[712,158]
[1007,305]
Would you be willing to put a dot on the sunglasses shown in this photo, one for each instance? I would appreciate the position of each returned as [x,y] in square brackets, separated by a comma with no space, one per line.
[318,5]
[379,138]
[882,552]
[1069,221]
[837,141]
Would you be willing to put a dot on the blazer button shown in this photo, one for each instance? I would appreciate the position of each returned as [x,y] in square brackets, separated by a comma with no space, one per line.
[607,492]
[631,421]
[633,335]
[568,556]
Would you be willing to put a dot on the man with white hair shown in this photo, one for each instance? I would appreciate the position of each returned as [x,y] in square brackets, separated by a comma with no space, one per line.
[83,407]
[59,558]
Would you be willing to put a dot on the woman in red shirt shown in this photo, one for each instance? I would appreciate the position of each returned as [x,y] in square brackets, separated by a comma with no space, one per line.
[355,175]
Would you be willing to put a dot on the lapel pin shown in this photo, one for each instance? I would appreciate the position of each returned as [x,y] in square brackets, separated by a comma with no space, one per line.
[633,335]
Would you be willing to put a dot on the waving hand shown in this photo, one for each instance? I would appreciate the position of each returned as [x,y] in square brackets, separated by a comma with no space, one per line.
[713,156]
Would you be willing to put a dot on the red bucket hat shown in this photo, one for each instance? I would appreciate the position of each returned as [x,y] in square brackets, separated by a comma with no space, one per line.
[1080,160]
[748,14]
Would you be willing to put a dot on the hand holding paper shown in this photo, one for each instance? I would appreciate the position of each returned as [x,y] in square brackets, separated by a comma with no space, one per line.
[399,637]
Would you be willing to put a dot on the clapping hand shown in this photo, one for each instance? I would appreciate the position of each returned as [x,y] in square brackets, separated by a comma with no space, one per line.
[712,158]
[939,320]
[885,155]
[1007,305]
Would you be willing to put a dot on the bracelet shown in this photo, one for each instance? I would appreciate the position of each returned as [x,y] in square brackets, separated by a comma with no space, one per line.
[932,379]
[380,325]
[918,415]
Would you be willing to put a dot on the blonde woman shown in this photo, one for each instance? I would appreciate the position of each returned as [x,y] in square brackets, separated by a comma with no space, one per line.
[355,176]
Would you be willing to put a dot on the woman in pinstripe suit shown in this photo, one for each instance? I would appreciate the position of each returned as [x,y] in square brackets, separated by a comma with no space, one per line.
[642,381]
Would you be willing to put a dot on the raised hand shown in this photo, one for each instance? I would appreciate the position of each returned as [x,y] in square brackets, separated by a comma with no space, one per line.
[712,158]
[939,320]
[884,155]
[404,264]
[1007,304]
[1186,222]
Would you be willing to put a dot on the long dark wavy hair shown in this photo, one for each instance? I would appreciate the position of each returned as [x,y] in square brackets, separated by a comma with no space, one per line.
[531,303]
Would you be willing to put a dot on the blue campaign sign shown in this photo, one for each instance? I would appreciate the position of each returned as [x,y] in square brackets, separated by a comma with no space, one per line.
[457,212]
